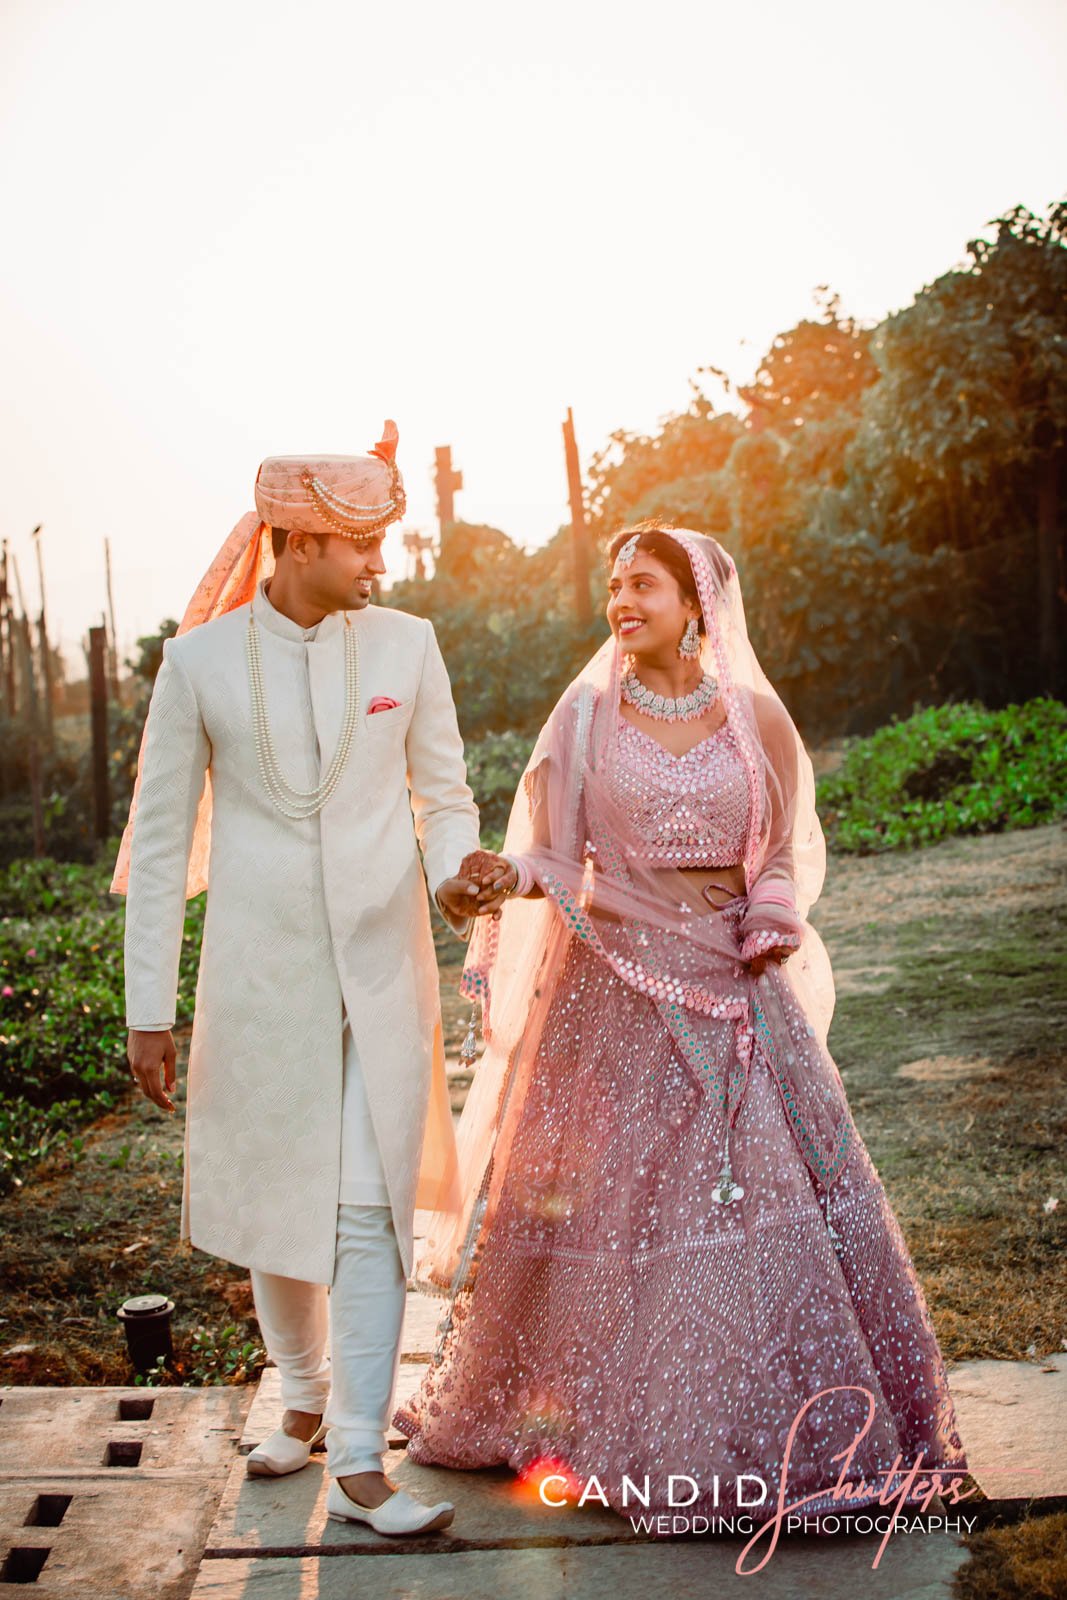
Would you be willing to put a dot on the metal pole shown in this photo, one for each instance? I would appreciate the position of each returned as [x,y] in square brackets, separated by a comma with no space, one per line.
[579,531]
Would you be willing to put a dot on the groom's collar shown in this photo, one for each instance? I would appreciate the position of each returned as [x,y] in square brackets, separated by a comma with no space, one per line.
[276,621]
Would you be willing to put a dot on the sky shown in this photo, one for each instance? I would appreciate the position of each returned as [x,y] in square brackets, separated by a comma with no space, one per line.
[240,229]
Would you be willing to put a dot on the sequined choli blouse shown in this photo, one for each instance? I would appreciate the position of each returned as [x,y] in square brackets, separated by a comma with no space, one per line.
[691,809]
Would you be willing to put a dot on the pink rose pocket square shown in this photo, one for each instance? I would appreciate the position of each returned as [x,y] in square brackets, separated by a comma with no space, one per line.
[381,702]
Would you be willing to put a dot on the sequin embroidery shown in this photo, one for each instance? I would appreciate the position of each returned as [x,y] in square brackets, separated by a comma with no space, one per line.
[693,808]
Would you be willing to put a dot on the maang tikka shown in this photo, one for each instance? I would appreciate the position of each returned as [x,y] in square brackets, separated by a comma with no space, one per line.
[628,551]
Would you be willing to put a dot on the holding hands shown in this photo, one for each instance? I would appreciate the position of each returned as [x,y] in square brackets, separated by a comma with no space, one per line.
[482,884]
[495,878]
[480,887]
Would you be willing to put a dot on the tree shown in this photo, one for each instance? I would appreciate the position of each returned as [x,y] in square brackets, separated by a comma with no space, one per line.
[816,371]
[505,623]
[962,440]
[629,477]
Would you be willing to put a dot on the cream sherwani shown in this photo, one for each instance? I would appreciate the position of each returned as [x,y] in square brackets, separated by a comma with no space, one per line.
[306,920]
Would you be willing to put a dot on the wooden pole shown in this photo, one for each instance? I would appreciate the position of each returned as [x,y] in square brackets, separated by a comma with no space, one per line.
[98,717]
[579,531]
[417,544]
[32,740]
[27,670]
[447,481]
[113,655]
[1050,575]
[47,687]
[7,638]
[30,690]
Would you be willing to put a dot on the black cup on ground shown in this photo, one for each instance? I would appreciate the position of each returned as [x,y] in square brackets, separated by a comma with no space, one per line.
[146,1321]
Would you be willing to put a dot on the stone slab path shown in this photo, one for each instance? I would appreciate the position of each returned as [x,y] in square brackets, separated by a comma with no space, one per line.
[110,1494]
[118,1494]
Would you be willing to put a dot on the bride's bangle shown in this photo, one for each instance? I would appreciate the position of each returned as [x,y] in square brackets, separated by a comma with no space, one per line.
[524,878]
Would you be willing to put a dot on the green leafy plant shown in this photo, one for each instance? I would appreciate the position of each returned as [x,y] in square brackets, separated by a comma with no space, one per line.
[222,1357]
[62,1008]
[495,764]
[946,770]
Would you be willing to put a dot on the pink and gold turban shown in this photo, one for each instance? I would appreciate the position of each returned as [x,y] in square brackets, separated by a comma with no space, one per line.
[355,496]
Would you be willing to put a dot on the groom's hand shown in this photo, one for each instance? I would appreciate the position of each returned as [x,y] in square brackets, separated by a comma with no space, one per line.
[152,1059]
[458,896]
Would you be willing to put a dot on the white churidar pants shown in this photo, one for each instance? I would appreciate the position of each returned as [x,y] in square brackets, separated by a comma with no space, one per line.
[363,1310]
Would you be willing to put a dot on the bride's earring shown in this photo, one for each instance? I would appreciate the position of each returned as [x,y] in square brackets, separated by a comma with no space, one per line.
[689,645]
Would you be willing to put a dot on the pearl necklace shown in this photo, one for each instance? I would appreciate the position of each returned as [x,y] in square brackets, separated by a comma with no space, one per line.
[680,708]
[291,802]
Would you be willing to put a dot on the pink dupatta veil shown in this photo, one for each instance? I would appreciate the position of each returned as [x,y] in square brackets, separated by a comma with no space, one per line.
[570,822]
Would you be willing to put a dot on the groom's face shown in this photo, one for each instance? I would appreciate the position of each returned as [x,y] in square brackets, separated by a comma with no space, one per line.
[344,572]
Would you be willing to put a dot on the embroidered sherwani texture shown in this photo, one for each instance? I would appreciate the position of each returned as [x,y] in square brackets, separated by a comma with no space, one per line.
[306,920]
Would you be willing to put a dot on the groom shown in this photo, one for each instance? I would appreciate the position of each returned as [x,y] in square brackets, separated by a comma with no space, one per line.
[307,738]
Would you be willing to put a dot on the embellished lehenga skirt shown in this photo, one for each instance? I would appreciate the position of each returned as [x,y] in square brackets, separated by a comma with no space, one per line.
[625,1323]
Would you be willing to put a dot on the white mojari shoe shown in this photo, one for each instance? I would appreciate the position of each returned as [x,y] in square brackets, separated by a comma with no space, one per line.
[401,1513]
[281,1453]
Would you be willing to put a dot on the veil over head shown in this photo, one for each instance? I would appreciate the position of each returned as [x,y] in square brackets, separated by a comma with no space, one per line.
[355,496]
[571,824]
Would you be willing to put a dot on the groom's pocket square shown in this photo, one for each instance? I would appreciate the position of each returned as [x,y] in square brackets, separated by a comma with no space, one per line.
[381,702]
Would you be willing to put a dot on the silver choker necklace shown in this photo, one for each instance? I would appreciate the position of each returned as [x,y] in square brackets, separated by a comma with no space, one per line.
[665,708]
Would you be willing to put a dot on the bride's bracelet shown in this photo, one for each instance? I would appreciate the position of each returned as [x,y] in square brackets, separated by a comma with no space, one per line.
[524,878]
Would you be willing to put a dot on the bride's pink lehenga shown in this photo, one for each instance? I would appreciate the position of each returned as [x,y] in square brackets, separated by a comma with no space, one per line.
[616,1310]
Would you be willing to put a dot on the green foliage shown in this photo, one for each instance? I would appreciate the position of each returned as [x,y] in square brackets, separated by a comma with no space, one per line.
[505,624]
[626,477]
[893,497]
[149,658]
[222,1357]
[815,372]
[214,1357]
[495,763]
[948,770]
[849,629]
[62,1013]
[962,448]
[972,393]
[66,772]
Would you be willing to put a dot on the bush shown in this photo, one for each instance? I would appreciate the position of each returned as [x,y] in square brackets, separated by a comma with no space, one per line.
[495,763]
[505,624]
[62,1010]
[948,770]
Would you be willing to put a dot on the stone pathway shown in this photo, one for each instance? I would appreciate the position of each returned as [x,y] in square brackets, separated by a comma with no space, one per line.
[119,1494]
[110,1494]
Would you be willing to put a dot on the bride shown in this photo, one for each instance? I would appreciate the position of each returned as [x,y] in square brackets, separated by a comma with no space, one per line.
[674,1254]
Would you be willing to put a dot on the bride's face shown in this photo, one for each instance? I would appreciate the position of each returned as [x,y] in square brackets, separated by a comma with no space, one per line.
[647,611]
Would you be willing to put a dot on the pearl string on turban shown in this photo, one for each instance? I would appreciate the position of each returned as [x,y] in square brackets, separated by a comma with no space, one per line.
[354,496]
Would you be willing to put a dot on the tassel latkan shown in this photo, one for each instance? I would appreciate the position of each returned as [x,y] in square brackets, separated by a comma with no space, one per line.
[468,1050]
